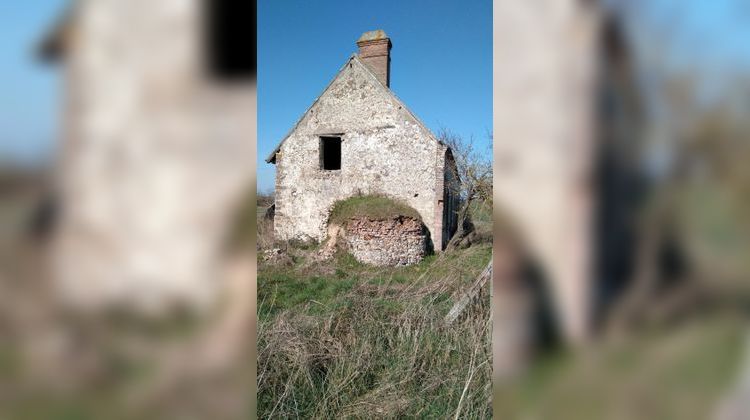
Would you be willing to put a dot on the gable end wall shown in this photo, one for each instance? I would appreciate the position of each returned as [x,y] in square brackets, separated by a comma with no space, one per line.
[384,151]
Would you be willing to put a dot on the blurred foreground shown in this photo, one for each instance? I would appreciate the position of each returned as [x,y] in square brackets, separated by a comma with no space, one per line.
[622,285]
[59,362]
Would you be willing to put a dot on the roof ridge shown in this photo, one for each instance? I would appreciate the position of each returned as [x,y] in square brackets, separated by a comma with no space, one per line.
[272,156]
[368,70]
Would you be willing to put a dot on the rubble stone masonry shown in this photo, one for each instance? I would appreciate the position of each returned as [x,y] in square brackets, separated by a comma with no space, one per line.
[393,242]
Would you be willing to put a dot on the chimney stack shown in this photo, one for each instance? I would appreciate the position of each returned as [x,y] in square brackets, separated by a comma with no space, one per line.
[375,51]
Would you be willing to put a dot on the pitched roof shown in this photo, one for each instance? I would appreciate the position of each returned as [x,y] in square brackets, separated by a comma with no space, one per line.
[354,58]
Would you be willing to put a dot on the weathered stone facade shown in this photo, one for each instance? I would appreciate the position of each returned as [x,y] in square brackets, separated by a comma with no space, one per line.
[394,242]
[155,154]
[384,150]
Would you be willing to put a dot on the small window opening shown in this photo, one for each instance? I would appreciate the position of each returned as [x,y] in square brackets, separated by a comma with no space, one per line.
[230,39]
[330,153]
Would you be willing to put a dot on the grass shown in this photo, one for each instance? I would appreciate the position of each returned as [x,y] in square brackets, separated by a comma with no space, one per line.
[371,206]
[679,373]
[340,339]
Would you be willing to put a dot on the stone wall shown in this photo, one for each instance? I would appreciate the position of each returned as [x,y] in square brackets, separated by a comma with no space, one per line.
[385,150]
[545,86]
[393,242]
[154,157]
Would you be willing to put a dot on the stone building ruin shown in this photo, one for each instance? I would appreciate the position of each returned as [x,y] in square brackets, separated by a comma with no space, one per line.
[353,140]
[158,129]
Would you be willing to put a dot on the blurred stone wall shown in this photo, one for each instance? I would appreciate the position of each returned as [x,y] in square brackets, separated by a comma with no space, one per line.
[154,156]
[544,129]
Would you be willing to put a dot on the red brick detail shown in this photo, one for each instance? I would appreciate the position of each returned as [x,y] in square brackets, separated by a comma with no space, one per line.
[437,239]
[376,54]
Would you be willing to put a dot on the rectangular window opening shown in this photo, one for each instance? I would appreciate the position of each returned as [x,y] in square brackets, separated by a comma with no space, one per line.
[330,153]
[230,39]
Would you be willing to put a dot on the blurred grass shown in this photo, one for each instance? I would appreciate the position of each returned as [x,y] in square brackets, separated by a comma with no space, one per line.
[677,373]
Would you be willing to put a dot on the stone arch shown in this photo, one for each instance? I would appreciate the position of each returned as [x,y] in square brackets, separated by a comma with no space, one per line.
[379,230]
[451,198]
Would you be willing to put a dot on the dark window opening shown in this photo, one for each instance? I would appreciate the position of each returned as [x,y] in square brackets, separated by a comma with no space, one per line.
[330,153]
[230,38]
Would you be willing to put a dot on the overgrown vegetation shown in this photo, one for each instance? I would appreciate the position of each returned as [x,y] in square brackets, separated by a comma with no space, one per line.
[375,207]
[473,171]
[681,372]
[340,339]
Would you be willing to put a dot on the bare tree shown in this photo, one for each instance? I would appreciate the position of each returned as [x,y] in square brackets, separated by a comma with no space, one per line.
[473,170]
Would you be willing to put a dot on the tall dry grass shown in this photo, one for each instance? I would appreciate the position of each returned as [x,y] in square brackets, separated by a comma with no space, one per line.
[344,340]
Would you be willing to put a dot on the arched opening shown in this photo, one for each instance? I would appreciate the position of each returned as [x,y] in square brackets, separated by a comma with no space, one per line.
[379,231]
[451,198]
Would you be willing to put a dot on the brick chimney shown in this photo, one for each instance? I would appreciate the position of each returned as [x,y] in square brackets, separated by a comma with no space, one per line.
[375,51]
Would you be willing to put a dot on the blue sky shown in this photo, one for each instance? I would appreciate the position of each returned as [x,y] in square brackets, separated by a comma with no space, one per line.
[709,37]
[28,90]
[441,61]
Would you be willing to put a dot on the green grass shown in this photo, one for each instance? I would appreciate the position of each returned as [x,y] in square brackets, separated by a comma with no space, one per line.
[680,372]
[371,206]
[286,287]
[345,340]
[373,345]
[481,215]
